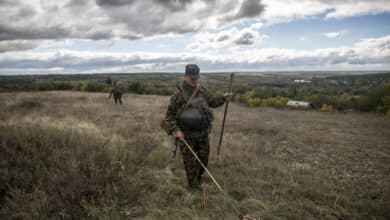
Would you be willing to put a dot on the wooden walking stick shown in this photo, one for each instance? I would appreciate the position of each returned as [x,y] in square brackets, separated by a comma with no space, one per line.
[224,115]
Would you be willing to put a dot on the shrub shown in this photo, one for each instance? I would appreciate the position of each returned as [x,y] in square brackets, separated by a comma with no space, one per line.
[50,85]
[108,80]
[137,87]
[46,86]
[385,106]
[93,87]
[326,108]
[77,87]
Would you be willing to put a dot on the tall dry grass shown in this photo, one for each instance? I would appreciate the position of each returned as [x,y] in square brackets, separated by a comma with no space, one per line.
[76,156]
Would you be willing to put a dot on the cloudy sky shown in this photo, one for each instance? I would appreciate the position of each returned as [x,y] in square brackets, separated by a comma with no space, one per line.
[94,36]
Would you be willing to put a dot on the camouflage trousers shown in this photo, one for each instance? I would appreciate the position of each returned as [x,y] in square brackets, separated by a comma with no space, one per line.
[193,169]
[118,98]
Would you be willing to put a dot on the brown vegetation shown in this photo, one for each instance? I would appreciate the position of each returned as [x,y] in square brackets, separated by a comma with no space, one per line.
[73,155]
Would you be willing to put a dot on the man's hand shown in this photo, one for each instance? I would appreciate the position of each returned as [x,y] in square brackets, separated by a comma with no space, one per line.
[228,96]
[179,134]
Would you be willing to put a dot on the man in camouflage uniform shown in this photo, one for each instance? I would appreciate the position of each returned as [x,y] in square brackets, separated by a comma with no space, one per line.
[193,123]
[117,95]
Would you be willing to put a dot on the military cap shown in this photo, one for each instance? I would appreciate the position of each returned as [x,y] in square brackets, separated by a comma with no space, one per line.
[192,70]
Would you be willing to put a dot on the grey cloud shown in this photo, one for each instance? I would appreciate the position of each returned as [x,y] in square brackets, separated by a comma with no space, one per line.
[8,32]
[175,4]
[75,62]
[223,37]
[90,32]
[24,13]
[56,32]
[144,19]
[17,45]
[77,3]
[113,2]
[125,19]
[365,52]
[6,2]
[223,8]
[248,9]
[245,38]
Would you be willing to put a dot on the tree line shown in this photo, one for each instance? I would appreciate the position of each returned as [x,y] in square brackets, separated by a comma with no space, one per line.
[374,99]
[358,93]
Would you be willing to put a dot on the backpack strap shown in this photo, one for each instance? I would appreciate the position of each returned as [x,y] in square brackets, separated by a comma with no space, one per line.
[185,95]
[192,96]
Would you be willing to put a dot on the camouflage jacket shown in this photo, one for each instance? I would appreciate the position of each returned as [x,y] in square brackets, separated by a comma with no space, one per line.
[115,92]
[179,99]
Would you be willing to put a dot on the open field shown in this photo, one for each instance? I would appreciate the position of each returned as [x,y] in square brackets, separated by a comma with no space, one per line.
[73,155]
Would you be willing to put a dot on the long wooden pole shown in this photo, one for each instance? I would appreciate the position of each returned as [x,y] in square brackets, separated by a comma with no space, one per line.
[224,115]
[212,177]
[226,196]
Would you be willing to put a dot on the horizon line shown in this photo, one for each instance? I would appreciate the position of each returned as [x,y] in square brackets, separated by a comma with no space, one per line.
[206,72]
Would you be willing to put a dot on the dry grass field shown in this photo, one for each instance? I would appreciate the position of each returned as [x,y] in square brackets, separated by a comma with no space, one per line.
[70,155]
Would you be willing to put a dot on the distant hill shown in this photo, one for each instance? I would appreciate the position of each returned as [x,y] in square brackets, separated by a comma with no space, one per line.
[335,91]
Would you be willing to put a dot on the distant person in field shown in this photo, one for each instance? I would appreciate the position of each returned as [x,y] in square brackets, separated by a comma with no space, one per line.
[117,95]
[189,117]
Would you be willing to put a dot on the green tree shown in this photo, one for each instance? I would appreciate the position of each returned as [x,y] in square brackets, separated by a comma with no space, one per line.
[93,87]
[137,87]
[108,80]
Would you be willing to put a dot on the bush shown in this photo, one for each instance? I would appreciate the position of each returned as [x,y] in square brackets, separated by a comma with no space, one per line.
[376,100]
[385,106]
[77,87]
[137,87]
[108,80]
[46,86]
[377,97]
[50,85]
[63,86]
[250,99]
[277,102]
[93,87]
[326,108]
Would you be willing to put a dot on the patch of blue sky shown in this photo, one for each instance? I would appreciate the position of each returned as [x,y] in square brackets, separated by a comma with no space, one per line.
[308,33]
